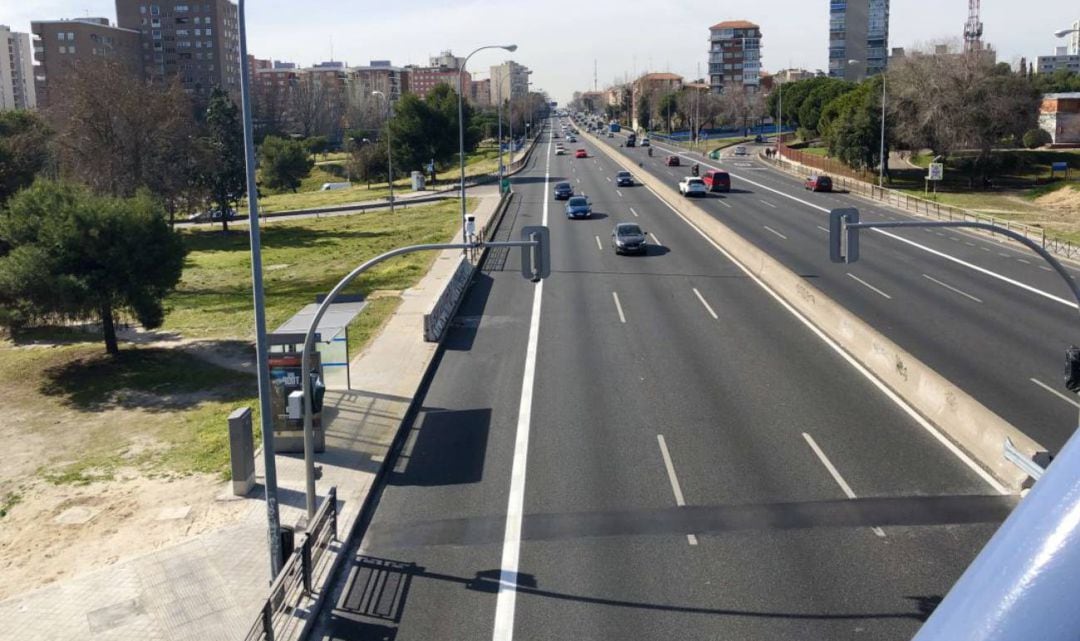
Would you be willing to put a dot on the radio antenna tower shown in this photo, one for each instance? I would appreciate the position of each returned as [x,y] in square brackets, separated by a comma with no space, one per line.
[973,29]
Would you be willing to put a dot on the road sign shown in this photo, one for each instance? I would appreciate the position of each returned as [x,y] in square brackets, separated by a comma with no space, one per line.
[937,171]
[536,259]
[840,235]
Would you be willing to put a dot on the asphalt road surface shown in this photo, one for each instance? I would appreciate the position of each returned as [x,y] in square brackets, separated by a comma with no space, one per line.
[652,447]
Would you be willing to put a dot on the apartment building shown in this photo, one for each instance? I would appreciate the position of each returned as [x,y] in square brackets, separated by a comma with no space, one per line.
[197,43]
[16,71]
[734,56]
[423,79]
[1059,116]
[1061,60]
[378,75]
[480,93]
[858,38]
[653,86]
[512,78]
[60,45]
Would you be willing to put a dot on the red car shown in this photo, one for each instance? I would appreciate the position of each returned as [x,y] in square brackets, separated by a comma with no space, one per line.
[672,161]
[581,153]
[818,183]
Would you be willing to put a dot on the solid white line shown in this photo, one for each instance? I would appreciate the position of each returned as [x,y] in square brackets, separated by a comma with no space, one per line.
[633,212]
[775,232]
[869,286]
[598,245]
[706,304]
[915,244]
[951,288]
[765,202]
[506,601]
[618,306]
[856,365]
[1026,262]
[835,474]
[1056,393]
[655,239]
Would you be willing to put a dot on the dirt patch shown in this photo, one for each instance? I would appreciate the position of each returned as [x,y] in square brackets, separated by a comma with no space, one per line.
[1060,209]
[58,531]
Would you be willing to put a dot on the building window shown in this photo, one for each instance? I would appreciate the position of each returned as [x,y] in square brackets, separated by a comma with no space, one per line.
[198,32]
[60,36]
[157,34]
[184,32]
[63,49]
[155,10]
[208,32]
[184,44]
[155,22]
[142,9]
[209,44]
[180,7]
[181,21]
[71,49]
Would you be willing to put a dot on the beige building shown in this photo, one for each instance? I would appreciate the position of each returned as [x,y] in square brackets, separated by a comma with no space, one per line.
[16,71]
[196,42]
[652,86]
[480,93]
[59,45]
[734,55]
[512,78]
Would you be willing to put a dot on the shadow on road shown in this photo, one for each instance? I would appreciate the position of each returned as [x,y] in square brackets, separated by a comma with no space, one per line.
[423,460]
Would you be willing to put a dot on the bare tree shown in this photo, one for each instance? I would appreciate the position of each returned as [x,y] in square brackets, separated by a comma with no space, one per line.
[953,102]
[116,133]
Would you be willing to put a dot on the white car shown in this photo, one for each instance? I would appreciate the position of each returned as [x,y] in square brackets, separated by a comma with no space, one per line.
[692,186]
[741,151]
[559,151]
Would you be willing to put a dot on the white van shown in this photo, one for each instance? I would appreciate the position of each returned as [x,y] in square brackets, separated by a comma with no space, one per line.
[334,186]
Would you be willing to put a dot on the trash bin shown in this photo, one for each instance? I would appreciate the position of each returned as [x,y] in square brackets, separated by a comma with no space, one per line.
[417,181]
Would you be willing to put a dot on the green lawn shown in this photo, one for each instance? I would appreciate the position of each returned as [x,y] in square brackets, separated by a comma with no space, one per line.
[816,151]
[162,411]
[309,196]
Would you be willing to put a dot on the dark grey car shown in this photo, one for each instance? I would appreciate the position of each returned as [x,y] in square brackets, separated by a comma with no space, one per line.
[628,238]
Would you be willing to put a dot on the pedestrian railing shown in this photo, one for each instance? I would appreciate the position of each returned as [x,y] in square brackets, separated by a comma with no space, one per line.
[297,580]
[803,164]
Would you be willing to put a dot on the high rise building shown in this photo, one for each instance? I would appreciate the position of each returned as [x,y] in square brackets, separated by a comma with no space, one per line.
[511,78]
[195,42]
[60,45]
[422,80]
[16,71]
[1074,40]
[734,56]
[858,38]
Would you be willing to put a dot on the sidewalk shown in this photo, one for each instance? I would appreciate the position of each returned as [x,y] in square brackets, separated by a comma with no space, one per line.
[211,586]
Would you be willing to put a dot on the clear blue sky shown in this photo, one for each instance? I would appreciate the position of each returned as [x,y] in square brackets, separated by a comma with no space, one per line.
[560,39]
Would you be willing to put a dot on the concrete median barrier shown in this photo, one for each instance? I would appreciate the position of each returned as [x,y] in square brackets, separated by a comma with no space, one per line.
[964,421]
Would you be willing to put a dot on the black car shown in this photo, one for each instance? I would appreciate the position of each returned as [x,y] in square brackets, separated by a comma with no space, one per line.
[563,191]
[628,238]
[624,179]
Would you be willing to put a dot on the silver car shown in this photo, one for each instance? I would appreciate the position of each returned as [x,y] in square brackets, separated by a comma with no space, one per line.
[628,238]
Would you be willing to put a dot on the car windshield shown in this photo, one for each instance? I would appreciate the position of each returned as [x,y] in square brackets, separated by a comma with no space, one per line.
[578,202]
[623,174]
[628,230]
[562,186]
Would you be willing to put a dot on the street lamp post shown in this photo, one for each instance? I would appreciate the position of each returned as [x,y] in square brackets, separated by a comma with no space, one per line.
[461,125]
[389,154]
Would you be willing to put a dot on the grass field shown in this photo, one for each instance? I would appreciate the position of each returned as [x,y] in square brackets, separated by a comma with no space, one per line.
[162,410]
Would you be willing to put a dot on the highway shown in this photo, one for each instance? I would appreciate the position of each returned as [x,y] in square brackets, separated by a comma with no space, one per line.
[987,315]
[652,447]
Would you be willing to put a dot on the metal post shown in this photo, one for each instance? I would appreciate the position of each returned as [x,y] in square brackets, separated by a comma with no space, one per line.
[261,364]
[498,92]
[389,153]
[881,161]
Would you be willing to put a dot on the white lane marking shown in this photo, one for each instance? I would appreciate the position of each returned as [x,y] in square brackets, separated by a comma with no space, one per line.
[951,288]
[655,239]
[609,178]
[724,203]
[706,304]
[1056,393]
[1045,268]
[1003,254]
[823,229]
[633,212]
[775,232]
[856,365]
[985,249]
[579,180]
[765,202]
[618,306]
[598,245]
[670,467]
[1026,262]
[506,601]
[671,172]
[969,244]
[619,192]
[869,286]
[835,474]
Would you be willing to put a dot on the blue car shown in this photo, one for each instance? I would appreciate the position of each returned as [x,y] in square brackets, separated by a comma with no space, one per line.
[563,191]
[578,207]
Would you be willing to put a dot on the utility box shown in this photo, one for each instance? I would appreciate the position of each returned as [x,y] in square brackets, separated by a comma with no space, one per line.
[241,451]
[294,409]
[417,181]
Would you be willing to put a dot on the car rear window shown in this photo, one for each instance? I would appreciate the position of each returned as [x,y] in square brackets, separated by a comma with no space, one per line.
[562,186]
[696,181]
[623,174]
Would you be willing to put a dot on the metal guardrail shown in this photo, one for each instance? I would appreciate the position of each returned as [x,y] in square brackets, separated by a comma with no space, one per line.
[804,164]
[296,580]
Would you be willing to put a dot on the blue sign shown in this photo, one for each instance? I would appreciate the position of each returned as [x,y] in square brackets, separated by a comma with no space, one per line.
[1060,166]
